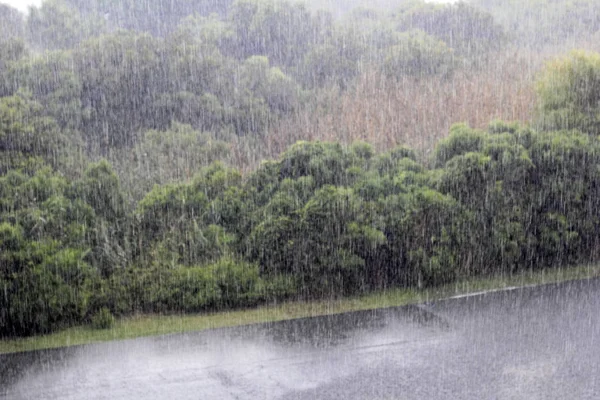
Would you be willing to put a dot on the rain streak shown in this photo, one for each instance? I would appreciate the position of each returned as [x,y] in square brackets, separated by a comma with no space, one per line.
[312,199]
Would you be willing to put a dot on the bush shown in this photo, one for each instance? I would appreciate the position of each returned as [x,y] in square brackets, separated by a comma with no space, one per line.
[103,319]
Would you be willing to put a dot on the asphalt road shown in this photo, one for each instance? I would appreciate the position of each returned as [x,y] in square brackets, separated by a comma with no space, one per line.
[532,343]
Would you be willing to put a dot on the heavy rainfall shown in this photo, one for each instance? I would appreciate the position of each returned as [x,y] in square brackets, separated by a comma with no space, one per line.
[281,199]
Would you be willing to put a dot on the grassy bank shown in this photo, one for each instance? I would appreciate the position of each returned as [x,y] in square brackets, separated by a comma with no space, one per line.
[152,325]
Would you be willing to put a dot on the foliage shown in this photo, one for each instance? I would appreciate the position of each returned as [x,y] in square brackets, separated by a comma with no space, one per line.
[55,25]
[279,30]
[12,32]
[418,54]
[12,23]
[223,284]
[464,28]
[323,220]
[48,265]
[568,90]
[157,17]
[540,22]
[27,135]
[103,319]
[130,139]
[49,290]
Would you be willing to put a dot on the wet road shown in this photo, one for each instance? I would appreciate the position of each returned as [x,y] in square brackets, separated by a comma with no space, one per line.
[532,343]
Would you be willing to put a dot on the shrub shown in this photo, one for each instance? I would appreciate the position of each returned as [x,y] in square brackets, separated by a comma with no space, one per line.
[103,319]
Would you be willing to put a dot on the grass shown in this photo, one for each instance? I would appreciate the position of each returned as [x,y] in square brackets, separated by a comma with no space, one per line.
[153,325]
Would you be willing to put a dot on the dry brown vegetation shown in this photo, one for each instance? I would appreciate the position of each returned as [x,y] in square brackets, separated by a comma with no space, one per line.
[416,112]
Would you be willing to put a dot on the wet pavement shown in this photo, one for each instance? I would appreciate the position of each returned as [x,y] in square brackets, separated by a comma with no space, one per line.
[531,343]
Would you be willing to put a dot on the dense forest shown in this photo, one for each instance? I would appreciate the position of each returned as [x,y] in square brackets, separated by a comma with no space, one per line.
[181,156]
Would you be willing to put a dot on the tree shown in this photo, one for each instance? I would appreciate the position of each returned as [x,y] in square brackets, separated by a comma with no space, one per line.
[120,78]
[568,92]
[46,279]
[56,25]
[157,17]
[28,137]
[51,293]
[12,45]
[417,53]
[280,30]
[179,222]
[12,23]
[108,236]
[172,155]
[467,30]
[542,22]
[53,83]
[270,84]
[263,94]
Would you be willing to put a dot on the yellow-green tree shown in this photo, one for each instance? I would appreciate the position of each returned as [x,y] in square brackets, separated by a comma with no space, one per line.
[568,92]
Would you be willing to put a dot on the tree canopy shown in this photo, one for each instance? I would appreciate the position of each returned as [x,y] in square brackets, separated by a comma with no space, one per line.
[569,93]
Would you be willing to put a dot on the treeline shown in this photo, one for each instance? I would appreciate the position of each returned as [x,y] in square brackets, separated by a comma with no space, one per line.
[322,220]
[542,22]
[246,71]
[229,69]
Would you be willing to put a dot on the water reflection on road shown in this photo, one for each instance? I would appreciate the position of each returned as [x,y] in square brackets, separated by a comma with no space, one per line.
[533,343]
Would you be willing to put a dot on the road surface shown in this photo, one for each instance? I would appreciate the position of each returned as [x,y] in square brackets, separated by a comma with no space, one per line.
[531,343]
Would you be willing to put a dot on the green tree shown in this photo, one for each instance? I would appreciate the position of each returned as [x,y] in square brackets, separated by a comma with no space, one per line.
[48,284]
[280,30]
[53,83]
[119,75]
[417,53]
[467,30]
[56,25]
[12,23]
[263,94]
[192,53]
[51,293]
[178,222]
[27,137]
[568,92]
[108,236]
[173,155]
[12,45]
[542,22]
[157,17]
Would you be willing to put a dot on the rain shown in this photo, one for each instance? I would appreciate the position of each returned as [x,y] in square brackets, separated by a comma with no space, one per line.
[299,199]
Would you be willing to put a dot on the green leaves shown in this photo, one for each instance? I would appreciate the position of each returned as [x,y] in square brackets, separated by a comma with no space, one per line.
[50,291]
[544,22]
[323,220]
[280,30]
[464,28]
[55,25]
[568,93]
[27,137]
[178,222]
[417,53]
[311,226]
